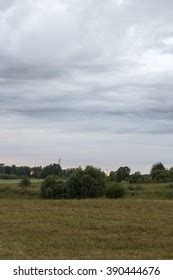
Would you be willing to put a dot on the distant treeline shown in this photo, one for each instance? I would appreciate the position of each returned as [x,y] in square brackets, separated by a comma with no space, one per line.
[38,172]
[158,173]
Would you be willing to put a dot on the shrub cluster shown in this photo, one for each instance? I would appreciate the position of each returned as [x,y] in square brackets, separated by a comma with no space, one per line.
[25,182]
[52,188]
[87,183]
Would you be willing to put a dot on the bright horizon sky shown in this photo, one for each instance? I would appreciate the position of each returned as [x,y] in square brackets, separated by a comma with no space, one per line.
[90,82]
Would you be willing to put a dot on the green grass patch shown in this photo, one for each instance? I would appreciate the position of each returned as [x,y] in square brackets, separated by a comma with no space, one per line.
[14,191]
[86,229]
[16,181]
[149,191]
[138,226]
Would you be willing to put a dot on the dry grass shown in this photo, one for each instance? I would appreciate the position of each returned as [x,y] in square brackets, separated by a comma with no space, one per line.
[86,229]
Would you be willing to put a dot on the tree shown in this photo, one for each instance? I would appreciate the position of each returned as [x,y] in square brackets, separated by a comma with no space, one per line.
[171,174]
[66,173]
[14,169]
[100,179]
[157,166]
[136,178]
[8,170]
[73,187]
[158,172]
[23,171]
[122,174]
[52,188]
[52,169]
[90,187]
[36,171]
[112,176]
[161,176]
[87,183]
[2,168]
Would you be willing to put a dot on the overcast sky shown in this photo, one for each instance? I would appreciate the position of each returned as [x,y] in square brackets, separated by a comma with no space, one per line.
[88,81]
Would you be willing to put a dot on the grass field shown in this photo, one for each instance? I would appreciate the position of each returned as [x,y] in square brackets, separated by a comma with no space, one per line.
[129,228]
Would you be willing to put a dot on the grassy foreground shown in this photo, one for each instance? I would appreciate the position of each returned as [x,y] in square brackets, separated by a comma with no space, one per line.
[86,229]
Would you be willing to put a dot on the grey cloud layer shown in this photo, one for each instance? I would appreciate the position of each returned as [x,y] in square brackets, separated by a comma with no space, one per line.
[86,67]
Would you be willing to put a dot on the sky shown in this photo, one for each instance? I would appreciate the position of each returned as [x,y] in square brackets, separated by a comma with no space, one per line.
[90,82]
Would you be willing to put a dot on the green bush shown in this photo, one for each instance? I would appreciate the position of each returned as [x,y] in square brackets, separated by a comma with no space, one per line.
[115,191]
[25,182]
[160,176]
[87,183]
[49,193]
[135,178]
[52,188]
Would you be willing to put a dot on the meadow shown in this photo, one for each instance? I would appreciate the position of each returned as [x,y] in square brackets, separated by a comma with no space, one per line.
[139,226]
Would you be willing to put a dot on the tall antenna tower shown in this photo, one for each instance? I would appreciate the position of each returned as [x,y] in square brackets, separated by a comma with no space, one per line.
[59,161]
